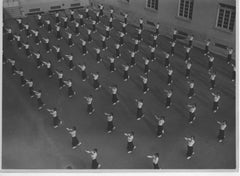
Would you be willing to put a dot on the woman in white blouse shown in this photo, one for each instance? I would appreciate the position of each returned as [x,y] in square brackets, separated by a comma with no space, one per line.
[94,154]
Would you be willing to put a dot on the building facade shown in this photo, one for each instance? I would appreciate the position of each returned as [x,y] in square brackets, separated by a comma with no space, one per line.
[205,19]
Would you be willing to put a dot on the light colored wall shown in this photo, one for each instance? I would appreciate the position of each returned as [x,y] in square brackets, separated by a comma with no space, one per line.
[202,24]
[45,5]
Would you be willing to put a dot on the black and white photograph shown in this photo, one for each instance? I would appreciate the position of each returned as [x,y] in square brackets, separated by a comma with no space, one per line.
[120,85]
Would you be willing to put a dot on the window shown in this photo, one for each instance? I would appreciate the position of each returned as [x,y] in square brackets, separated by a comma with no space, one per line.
[185,9]
[153,4]
[34,10]
[75,5]
[55,7]
[226,17]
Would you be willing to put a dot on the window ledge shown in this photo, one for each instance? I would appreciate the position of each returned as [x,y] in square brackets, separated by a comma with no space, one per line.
[184,19]
[223,30]
[151,9]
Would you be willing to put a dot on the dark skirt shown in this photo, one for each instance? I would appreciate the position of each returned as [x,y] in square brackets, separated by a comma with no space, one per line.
[189,151]
[75,141]
[57,20]
[84,75]
[89,108]
[215,106]
[76,30]
[125,75]
[172,50]
[65,25]
[97,19]
[89,38]
[139,37]
[27,52]
[31,93]
[169,80]
[39,63]
[210,64]
[168,102]
[81,22]
[47,47]
[70,91]
[70,42]
[28,32]
[132,61]
[125,20]
[117,53]
[59,56]
[107,34]
[135,47]
[130,146]
[40,23]
[124,30]
[206,49]
[37,40]
[121,41]
[146,68]
[186,56]
[191,116]
[94,164]
[221,134]
[159,130]
[10,36]
[70,64]
[174,37]
[101,13]
[110,126]
[56,121]
[229,58]
[166,62]
[60,82]
[114,98]
[49,72]
[145,87]
[104,44]
[110,25]
[84,50]
[58,35]
[154,43]
[190,43]
[111,67]
[71,18]
[187,74]
[152,56]
[49,28]
[155,166]
[14,69]
[233,75]
[40,102]
[190,92]
[93,27]
[20,25]
[139,113]
[96,84]
[19,44]
[98,58]
[23,81]
[212,84]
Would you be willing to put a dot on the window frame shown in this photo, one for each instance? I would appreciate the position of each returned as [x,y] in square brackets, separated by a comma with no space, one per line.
[229,8]
[183,12]
[155,8]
